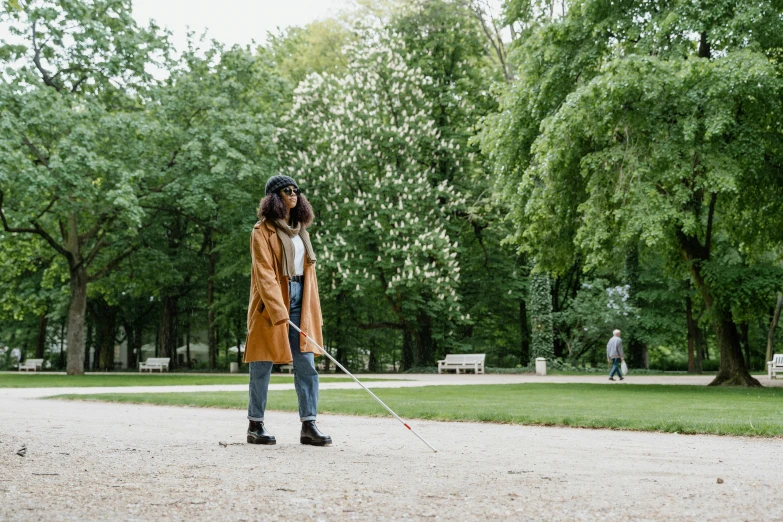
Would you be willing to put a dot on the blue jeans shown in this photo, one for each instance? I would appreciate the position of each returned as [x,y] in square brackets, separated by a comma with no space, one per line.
[615,368]
[305,374]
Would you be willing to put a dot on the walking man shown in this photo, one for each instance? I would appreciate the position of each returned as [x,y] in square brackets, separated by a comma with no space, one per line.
[614,352]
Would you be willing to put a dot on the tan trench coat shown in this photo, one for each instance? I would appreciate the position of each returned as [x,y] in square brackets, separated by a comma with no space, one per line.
[267,315]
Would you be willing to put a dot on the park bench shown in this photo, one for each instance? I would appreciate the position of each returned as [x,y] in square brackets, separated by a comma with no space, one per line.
[155,363]
[287,368]
[31,364]
[775,365]
[463,361]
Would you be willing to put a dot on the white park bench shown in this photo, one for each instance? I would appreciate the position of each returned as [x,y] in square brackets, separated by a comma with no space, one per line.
[462,361]
[31,364]
[155,363]
[288,368]
[775,365]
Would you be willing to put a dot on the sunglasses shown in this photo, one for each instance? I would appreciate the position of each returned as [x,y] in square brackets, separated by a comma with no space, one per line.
[288,191]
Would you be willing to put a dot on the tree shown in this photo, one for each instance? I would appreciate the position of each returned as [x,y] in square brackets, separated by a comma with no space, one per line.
[445,40]
[72,165]
[648,134]
[314,48]
[542,339]
[773,323]
[215,116]
[365,147]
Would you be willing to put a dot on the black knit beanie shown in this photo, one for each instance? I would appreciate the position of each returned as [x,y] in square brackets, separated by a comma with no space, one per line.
[276,183]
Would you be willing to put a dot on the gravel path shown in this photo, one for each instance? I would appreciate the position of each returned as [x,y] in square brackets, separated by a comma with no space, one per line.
[95,461]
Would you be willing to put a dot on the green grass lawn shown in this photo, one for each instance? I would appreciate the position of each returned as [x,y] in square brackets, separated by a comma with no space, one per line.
[13,380]
[683,409]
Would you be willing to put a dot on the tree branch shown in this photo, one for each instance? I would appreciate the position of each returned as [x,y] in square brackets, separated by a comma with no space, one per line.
[104,221]
[95,250]
[78,83]
[178,212]
[378,326]
[710,215]
[5,222]
[111,265]
[37,229]
[37,61]
[48,208]
[43,159]
[498,46]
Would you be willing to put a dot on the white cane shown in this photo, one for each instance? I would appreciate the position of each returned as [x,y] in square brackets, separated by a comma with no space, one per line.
[362,385]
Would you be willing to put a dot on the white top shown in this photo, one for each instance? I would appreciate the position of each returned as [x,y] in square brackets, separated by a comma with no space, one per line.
[299,255]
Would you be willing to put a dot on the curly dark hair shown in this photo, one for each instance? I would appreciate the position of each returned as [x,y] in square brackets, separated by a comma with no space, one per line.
[273,207]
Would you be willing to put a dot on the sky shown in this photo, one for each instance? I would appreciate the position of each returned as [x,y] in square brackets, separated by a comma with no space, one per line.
[233,21]
[238,21]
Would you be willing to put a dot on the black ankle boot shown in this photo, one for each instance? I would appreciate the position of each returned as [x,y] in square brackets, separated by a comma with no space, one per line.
[313,436]
[257,434]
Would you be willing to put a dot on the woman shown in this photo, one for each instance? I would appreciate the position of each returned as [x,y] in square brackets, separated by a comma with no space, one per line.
[283,286]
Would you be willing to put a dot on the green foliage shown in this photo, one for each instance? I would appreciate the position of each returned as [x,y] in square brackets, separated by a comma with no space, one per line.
[315,48]
[73,161]
[639,146]
[748,289]
[594,313]
[627,166]
[542,339]
[633,123]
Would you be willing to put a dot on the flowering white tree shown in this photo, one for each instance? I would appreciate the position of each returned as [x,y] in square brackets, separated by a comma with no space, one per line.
[365,148]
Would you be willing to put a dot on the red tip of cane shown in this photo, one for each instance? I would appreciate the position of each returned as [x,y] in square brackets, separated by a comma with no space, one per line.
[301,332]
[406,425]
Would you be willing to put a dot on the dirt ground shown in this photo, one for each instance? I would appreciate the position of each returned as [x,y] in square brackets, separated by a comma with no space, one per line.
[93,461]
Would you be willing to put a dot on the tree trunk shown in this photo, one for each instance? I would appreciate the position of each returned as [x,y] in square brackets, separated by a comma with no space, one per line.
[703,345]
[168,329]
[425,350]
[217,343]
[327,347]
[694,348]
[637,352]
[129,342]
[133,341]
[558,345]
[637,349]
[772,325]
[524,330]
[106,334]
[733,371]
[239,340]
[40,344]
[62,344]
[745,342]
[89,347]
[76,312]
[139,342]
[372,364]
[407,348]
[211,338]
[188,363]
[341,354]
